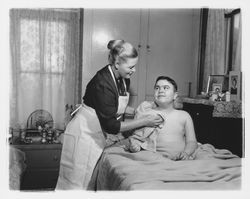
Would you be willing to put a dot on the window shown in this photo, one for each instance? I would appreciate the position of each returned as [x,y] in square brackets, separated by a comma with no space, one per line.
[233,19]
[46,46]
[220,44]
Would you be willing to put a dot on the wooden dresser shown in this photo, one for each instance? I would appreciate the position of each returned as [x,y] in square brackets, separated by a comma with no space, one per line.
[218,123]
[42,162]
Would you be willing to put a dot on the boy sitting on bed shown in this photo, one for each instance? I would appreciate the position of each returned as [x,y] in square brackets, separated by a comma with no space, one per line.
[175,138]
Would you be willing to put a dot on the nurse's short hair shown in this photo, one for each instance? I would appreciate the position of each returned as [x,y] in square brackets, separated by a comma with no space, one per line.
[119,50]
[170,80]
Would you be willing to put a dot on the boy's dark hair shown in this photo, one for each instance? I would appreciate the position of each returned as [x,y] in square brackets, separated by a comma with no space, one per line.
[169,80]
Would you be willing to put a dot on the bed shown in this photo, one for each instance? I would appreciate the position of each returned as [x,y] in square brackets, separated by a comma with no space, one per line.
[212,168]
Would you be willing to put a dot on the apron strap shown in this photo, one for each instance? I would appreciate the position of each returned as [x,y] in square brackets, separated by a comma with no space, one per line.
[112,74]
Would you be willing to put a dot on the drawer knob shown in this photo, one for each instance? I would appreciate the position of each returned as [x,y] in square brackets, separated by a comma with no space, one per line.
[55,158]
[197,113]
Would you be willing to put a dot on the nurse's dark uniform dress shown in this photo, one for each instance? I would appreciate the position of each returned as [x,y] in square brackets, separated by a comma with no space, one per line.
[105,100]
[102,95]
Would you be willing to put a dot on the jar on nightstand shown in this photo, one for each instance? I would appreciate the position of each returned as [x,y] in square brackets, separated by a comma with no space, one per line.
[227,96]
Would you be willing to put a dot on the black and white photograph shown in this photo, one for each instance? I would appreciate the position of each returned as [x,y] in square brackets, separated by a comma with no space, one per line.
[221,80]
[217,87]
[235,85]
[125,99]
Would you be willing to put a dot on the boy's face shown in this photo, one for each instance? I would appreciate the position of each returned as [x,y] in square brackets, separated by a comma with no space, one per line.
[164,92]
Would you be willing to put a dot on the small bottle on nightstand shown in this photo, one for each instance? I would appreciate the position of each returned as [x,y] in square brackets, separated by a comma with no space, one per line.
[227,96]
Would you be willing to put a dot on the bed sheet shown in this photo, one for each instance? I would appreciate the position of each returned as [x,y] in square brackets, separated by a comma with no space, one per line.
[212,169]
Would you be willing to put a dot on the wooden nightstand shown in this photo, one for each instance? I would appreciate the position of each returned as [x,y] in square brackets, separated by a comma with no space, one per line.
[42,162]
[217,123]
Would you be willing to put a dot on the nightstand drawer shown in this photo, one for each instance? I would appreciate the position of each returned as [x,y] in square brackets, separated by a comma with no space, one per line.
[199,110]
[43,158]
[39,179]
[202,118]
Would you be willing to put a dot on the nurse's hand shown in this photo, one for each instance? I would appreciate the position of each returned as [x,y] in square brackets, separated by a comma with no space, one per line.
[153,120]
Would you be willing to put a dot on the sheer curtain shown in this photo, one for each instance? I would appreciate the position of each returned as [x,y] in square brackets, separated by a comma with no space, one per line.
[215,53]
[45,46]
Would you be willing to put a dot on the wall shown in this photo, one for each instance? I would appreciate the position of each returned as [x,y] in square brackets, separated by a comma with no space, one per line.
[100,26]
[173,41]
[167,41]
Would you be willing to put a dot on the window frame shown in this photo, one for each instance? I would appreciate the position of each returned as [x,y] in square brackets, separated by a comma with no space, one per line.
[231,17]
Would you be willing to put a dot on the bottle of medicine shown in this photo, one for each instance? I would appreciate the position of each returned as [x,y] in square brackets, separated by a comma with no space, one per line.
[227,96]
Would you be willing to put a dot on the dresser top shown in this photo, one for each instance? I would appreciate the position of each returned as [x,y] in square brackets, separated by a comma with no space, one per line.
[37,146]
[232,109]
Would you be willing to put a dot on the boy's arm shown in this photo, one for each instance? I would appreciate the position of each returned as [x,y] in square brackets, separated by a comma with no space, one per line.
[191,143]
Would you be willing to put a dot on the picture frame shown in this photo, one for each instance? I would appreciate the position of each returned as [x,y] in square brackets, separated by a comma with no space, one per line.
[217,87]
[217,80]
[235,85]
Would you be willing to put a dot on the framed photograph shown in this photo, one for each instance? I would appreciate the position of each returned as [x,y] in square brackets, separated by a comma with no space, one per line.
[217,81]
[235,85]
[217,87]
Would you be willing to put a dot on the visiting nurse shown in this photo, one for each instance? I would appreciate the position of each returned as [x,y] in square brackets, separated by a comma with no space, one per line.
[105,101]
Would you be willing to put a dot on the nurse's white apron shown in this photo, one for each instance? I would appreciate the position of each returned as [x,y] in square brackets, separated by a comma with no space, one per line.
[83,144]
[122,100]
